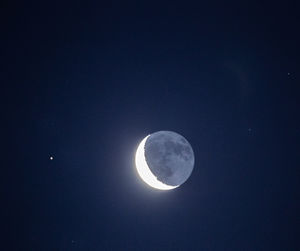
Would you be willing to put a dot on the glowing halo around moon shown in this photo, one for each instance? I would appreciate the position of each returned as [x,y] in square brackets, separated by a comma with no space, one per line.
[144,170]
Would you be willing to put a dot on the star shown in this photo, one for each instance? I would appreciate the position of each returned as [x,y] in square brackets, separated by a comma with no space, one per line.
[51,158]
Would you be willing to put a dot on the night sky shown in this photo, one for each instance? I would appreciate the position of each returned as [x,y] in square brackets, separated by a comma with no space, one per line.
[83,83]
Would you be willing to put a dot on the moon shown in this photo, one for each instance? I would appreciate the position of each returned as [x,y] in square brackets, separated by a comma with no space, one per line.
[164,160]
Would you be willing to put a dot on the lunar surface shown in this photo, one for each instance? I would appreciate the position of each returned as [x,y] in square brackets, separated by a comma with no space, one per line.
[164,160]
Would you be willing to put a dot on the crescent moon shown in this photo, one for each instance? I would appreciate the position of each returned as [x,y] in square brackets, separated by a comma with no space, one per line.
[144,170]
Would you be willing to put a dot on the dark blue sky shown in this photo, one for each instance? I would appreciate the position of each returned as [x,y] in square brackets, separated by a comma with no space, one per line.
[85,82]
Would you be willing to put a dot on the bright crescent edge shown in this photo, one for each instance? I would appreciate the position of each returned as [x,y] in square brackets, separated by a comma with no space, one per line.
[144,170]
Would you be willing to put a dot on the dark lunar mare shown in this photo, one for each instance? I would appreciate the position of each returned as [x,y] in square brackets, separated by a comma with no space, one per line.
[170,157]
